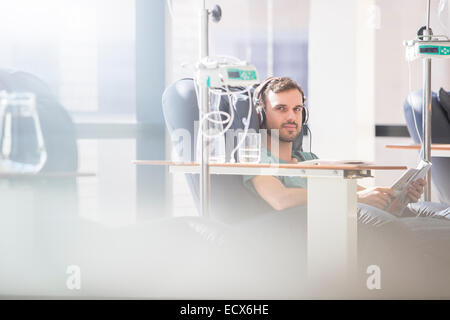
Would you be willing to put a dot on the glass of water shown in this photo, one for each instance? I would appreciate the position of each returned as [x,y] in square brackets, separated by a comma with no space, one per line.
[250,148]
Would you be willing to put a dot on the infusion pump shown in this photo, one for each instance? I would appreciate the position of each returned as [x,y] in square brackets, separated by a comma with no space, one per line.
[427,49]
[233,75]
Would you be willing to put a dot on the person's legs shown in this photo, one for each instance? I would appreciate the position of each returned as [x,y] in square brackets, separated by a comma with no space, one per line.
[430,222]
[385,241]
[380,230]
[428,209]
[368,215]
[433,239]
[420,241]
[277,242]
[425,225]
[433,235]
[384,234]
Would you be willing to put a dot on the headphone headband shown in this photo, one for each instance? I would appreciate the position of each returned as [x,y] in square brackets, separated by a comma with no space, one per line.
[260,89]
[257,94]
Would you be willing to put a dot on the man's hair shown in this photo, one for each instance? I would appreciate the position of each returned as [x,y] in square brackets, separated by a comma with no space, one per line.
[278,85]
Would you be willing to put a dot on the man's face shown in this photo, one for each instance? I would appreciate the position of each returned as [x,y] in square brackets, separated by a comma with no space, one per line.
[284,112]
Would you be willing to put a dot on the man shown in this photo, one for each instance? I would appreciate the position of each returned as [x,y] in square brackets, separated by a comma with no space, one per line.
[281,100]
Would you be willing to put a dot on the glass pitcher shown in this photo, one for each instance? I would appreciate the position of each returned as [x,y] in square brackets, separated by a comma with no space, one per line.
[22,148]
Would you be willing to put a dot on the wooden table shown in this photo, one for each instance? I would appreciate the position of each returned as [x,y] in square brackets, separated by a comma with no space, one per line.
[332,220]
[437,150]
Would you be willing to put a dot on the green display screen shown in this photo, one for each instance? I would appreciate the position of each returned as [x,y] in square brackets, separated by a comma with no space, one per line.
[234,74]
[238,74]
[429,49]
[436,50]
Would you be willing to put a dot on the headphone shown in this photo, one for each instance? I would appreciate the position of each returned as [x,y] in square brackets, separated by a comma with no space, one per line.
[258,103]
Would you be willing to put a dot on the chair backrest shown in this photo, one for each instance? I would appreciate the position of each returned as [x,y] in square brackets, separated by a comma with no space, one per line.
[444,100]
[56,124]
[440,133]
[440,129]
[230,201]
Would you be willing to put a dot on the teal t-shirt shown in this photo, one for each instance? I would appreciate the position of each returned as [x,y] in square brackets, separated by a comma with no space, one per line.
[288,182]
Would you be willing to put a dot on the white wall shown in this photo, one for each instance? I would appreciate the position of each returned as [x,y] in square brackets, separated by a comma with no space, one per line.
[391,72]
[341,57]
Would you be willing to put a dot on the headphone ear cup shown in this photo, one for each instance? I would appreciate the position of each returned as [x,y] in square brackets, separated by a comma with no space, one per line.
[304,116]
[261,116]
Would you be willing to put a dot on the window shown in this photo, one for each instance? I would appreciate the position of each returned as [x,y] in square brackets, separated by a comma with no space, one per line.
[84,50]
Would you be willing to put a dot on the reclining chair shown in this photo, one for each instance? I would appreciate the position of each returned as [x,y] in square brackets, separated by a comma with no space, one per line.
[440,133]
[230,202]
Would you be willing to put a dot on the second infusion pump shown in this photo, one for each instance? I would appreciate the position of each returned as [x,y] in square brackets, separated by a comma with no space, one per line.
[427,49]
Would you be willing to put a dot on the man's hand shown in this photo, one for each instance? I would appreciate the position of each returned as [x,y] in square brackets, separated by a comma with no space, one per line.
[377,197]
[415,190]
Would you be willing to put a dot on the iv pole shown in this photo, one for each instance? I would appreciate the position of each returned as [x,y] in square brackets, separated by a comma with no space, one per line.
[426,114]
[205,181]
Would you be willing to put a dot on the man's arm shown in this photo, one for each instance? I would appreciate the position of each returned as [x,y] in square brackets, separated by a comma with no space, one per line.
[277,195]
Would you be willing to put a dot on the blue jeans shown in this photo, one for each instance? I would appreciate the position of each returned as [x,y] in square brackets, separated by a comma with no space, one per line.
[407,249]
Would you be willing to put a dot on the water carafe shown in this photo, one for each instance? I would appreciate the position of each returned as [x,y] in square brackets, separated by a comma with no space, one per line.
[22,148]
